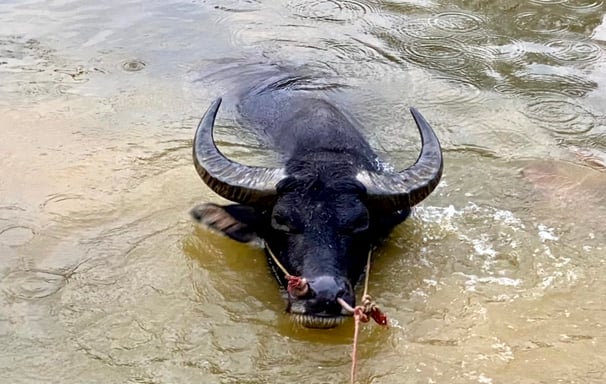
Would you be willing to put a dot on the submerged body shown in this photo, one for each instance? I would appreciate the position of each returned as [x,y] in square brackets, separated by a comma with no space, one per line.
[331,202]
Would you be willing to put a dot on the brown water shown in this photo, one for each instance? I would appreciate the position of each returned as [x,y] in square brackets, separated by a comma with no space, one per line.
[498,278]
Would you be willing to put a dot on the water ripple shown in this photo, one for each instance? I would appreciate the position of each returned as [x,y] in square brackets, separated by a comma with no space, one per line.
[133,65]
[236,6]
[446,54]
[548,2]
[574,52]
[545,85]
[445,43]
[342,11]
[358,58]
[561,116]
[499,139]
[32,284]
[16,235]
[589,5]
[457,93]
[456,22]
[420,28]
[29,68]
[496,47]
[542,22]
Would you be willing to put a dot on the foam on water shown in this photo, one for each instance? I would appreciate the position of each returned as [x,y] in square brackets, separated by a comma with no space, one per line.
[546,233]
[492,249]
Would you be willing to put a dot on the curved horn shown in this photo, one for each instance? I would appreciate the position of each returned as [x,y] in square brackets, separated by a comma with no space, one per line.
[236,182]
[409,187]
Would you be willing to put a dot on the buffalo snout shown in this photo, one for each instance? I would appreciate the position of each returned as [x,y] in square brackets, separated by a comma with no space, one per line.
[324,292]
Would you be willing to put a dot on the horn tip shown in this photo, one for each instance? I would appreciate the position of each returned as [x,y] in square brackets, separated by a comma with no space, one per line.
[415,112]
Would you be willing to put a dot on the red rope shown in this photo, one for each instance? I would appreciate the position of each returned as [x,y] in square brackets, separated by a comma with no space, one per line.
[357,318]
[298,287]
[362,314]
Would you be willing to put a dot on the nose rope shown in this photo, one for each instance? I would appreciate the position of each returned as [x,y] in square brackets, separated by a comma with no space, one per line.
[361,314]
[298,287]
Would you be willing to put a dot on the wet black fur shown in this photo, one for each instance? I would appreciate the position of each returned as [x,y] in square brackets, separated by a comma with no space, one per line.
[320,224]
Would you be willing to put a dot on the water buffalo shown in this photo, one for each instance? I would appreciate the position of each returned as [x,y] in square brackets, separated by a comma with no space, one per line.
[324,209]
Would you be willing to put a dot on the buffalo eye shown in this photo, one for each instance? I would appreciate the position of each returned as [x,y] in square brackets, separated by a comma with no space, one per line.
[285,224]
[356,224]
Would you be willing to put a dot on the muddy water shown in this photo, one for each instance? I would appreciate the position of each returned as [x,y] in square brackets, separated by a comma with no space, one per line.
[498,277]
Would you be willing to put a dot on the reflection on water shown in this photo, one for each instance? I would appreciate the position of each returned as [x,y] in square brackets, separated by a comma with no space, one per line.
[498,276]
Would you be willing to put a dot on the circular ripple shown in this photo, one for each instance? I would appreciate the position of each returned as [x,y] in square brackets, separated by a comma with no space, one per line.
[592,157]
[16,235]
[236,6]
[423,29]
[496,47]
[579,4]
[574,51]
[548,2]
[63,205]
[455,92]
[329,10]
[542,22]
[359,59]
[508,141]
[491,138]
[540,85]
[33,285]
[446,54]
[456,22]
[133,65]
[253,33]
[561,116]
[506,88]
[574,86]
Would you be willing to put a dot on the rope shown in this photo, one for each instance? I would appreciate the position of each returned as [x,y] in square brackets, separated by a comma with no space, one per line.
[361,314]
[298,287]
[275,259]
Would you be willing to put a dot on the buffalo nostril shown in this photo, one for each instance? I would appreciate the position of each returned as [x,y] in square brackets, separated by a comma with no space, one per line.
[325,288]
[326,293]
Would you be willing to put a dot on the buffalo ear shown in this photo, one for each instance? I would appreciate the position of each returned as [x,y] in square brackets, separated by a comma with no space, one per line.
[239,222]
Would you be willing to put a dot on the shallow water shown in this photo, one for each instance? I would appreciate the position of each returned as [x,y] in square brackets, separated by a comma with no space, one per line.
[497,278]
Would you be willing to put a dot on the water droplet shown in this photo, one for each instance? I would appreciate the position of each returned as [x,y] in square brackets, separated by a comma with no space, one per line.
[133,65]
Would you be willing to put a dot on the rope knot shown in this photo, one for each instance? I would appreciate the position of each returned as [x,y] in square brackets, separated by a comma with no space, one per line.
[370,310]
[297,286]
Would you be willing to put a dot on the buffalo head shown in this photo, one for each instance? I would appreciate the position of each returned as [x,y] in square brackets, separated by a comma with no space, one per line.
[319,215]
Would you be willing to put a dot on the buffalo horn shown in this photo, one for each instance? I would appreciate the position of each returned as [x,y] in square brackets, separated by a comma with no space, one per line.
[233,181]
[400,190]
